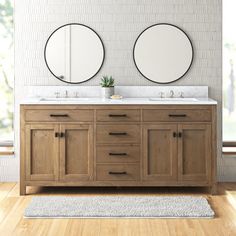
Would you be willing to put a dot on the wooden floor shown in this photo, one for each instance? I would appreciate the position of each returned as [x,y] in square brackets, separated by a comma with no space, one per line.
[12,207]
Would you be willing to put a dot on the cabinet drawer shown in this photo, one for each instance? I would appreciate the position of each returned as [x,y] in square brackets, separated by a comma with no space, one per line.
[118,154]
[59,115]
[118,134]
[176,115]
[118,172]
[118,115]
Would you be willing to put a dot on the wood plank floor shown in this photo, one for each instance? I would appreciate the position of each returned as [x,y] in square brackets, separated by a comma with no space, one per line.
[12,207]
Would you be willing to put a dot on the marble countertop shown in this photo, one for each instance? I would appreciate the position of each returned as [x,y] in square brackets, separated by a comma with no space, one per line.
[124,101]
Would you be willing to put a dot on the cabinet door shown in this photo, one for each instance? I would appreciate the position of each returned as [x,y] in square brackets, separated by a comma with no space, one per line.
[42,152]
[160,152]
[194,152]
[76,152]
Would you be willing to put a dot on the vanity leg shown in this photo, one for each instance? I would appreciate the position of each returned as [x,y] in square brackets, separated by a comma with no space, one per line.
[213,189]
[22,189]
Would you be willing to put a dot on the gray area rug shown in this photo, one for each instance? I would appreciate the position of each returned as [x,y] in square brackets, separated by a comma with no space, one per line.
[119,206]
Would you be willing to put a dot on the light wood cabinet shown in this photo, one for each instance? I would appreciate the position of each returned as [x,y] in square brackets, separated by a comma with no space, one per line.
[120,145]
[118,153]
[160,161]
[76,152]
[194,152]
[177,152]
[41,152]
[118,172]
[59,152]
[117,133]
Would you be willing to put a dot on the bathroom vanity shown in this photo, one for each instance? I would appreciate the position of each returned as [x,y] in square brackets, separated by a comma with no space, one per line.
[133,142]
[129,142]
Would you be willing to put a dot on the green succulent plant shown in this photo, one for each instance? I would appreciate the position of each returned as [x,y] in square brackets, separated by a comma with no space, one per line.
[107,81]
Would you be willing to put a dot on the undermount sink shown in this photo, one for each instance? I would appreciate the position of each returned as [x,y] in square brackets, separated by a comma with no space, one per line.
[174,99]
[64,99]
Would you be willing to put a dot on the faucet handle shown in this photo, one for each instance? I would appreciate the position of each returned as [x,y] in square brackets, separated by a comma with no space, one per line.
[76,94]
[181,95]
[57,94]
[161,94]
[66,94]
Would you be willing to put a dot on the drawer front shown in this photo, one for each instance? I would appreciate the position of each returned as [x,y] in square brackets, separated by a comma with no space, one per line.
[118,134]
[59,115]
[176,115]
[118,154]
[118,115]
[117,172]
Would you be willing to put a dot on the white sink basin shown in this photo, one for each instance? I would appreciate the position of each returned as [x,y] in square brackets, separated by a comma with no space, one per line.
[64,99]
[174,99]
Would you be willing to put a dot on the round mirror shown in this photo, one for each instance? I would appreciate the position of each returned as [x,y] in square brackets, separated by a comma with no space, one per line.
[163,53]
[74,53]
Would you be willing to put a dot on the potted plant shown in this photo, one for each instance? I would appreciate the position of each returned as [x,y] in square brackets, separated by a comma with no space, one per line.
[107,83]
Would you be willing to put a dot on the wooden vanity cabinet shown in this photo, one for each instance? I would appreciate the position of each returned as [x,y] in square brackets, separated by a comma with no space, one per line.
[59,152]
[76,152]
[59,148]
[194,152]
[177,152]
[160,153]
[118,145]
[41,152]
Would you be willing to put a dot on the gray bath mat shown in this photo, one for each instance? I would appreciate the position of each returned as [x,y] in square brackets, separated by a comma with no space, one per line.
[118,206]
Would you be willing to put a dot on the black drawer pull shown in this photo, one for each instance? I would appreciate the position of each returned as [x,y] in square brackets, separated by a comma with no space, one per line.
[174,134]
[180,135]
[177,115]
[117,133]
[117,173]
[117,115]
[117,154]
[59,115]
[59,135]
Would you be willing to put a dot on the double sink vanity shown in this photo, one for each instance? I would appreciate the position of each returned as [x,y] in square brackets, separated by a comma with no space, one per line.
[127,142]
[145,139]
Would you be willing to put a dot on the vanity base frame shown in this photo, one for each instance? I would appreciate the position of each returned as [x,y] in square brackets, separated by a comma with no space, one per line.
[118,146]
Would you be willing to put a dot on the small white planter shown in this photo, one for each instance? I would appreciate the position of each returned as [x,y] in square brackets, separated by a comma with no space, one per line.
[107,92]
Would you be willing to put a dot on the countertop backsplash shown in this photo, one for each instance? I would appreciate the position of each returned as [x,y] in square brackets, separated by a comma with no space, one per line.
[125,91]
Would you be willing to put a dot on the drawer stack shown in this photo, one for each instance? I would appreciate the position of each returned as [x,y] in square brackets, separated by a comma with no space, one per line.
[118,145]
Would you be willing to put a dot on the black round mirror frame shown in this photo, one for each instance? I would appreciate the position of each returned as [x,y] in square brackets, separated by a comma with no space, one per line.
[172,26]
[61,78]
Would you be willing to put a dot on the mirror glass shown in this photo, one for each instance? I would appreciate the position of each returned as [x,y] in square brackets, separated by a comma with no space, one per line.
[163,53]
[74,53]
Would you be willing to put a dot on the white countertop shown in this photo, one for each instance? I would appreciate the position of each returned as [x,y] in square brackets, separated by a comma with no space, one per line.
[124,101]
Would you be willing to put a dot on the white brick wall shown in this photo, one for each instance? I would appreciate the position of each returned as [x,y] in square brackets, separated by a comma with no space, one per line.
[119,22]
